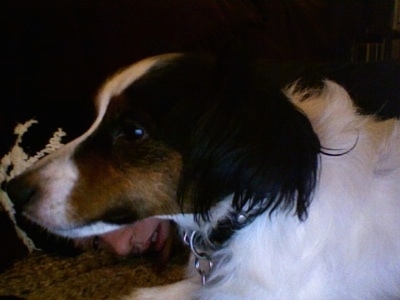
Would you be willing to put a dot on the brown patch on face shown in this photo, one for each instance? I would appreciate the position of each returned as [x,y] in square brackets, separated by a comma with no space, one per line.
[125,189]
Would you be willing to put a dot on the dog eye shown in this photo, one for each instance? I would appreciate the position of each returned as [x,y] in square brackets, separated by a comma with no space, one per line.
[138,132]
[134,132]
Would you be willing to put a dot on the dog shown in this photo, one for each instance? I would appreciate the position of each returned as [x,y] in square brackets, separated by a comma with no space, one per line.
[282,186]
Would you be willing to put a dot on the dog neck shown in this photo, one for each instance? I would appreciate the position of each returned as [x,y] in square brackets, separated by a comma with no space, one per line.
[203,248]
[204,237]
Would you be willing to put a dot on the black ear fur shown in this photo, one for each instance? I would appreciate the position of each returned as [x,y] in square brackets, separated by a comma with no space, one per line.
[255,144]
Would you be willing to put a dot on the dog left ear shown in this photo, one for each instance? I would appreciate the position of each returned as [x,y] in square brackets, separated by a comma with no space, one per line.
[255,144]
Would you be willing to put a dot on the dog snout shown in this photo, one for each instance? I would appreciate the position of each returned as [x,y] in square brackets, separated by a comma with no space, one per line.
[20,191]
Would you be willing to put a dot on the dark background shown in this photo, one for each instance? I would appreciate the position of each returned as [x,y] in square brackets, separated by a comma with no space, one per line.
[55,54]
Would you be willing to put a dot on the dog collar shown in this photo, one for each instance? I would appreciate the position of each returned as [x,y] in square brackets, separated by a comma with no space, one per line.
[202,260]
[203,248]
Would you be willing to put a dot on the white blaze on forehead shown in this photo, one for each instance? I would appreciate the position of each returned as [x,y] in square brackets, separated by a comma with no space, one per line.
[114,87]
[119,82]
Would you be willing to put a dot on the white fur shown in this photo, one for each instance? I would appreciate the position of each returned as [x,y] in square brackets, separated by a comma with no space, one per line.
[88,230]
[348,247]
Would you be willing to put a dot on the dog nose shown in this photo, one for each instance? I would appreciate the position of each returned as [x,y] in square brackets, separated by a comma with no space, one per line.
[19,191]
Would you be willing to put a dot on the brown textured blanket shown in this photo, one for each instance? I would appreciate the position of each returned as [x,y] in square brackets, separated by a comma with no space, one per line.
[91,275]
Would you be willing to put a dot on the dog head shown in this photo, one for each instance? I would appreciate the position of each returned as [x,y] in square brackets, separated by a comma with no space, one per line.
[176,133]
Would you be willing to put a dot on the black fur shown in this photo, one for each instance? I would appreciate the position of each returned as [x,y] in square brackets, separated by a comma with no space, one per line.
[237,132]
[252,143]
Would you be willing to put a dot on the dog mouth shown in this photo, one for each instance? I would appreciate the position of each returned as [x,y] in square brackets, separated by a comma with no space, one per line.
[155,242]
[150,235]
